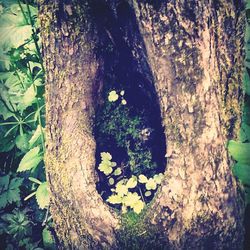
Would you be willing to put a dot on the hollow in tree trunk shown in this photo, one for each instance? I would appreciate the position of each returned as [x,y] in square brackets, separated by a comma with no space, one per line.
[194,53]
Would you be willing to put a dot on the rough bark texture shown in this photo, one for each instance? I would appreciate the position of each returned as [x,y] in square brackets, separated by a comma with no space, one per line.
[194,53]
[73,77]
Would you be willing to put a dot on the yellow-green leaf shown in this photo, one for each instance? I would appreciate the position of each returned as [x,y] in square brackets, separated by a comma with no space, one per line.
[114,199]
[30,160]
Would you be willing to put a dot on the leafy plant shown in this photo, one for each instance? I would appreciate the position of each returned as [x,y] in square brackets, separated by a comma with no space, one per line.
[22,121]
[121,194]
[9,190]
[106,165]
[240,150]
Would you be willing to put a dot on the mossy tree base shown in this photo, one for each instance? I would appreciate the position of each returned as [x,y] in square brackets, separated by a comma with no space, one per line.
[192,53]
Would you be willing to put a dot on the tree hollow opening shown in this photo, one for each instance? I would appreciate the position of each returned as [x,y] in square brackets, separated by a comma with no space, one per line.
[130,140]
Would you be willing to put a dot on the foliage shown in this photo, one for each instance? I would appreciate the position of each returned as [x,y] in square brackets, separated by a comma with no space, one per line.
[240,150]
[10,190]
[24,221]
[121,186]
[127,131]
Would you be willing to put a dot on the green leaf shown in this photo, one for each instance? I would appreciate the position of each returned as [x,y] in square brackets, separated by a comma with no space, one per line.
[111,181]
[42,195]
[35,180]
[247,196]
[106,156]
[242,171]
[10,190]
[4,182]
[244,132]
[112,97]
[124,102]
[5,62]
[15,183]
[36,136]
[114,199]
[151,184]
[158,178]
[131,198]
[30,160]
[13,30]
[29,97]
[118,171]
[132,182]
[4,112]
[246,82]
[22,142]
[105,168]
[121,189]
[239,151]
[48,239]
[148,193]
[143,178]
[138,206]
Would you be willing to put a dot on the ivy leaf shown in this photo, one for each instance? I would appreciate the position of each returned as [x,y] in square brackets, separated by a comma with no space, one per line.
[30,160]
[114,199]
[113,96]
[42,195]
[151,184]
[239,151]
[132,182]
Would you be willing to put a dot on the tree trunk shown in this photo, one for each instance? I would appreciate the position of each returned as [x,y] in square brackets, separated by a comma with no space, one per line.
[194,52]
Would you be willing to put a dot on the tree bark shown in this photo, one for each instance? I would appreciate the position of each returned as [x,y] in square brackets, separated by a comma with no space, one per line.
[73,77]
[194,52]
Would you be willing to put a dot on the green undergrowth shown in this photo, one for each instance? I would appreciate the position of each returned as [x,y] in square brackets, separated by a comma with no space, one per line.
[240,150]
[25,222]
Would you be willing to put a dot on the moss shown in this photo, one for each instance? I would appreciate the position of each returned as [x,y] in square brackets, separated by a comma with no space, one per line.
[120,129]
[136,233]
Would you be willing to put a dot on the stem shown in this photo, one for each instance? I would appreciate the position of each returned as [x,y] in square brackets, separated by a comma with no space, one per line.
[33,30]
[34,36]
[46,217]
[141,195]
[39,116]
